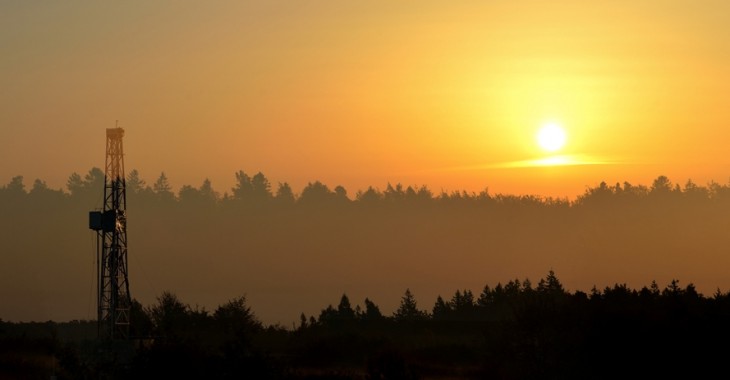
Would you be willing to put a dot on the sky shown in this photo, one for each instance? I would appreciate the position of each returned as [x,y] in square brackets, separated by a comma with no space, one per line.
[360,93]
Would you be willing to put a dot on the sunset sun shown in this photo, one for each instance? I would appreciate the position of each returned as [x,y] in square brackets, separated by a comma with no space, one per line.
[551,137]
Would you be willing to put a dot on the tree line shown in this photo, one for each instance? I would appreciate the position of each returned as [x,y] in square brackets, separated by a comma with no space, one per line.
[258,189]
[515,330]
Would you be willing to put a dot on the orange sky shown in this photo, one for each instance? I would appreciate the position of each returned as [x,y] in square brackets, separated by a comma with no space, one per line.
[359,93]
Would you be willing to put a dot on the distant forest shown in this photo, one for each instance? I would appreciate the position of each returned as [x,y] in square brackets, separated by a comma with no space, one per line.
[257,190]
[517,330]
[286,255]
[290,251]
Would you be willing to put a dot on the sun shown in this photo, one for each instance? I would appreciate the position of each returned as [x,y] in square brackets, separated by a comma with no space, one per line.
[551,137]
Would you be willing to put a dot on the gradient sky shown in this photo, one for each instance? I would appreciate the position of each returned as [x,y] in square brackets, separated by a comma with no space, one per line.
[358,93]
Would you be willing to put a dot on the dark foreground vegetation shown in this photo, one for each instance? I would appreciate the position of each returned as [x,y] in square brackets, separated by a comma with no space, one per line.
[515,330]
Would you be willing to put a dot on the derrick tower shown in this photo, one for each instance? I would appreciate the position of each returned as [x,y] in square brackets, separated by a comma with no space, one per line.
[110,224]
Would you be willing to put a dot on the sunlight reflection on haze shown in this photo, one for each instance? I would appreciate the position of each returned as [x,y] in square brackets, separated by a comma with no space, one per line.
[558,160]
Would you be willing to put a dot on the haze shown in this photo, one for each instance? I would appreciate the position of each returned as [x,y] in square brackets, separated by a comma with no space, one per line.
[359,94]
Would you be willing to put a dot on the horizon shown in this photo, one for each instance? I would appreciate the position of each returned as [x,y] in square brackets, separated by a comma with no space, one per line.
[176,185]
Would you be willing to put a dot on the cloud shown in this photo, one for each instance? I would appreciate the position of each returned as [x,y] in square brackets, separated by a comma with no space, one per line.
[549,161]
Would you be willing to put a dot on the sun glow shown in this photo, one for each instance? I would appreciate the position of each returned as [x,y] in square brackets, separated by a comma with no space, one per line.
[551,137]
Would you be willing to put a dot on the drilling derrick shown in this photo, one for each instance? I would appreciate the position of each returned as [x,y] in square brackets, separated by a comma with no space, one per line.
[110,224]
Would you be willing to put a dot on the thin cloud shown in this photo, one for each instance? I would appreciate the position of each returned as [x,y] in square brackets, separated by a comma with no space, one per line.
[550,161]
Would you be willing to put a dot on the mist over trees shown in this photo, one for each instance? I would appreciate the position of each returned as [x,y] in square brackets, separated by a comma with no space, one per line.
[291,250]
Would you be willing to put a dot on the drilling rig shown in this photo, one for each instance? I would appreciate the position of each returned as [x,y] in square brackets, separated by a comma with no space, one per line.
[110,224]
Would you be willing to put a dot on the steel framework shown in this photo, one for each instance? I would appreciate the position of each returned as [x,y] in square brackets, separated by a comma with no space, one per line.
[110,223]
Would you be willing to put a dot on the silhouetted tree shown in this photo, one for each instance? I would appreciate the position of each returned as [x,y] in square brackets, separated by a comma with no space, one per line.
[661,186]
[303,322]
[205,196]
[408,309]
[188,194]
[140,323]
[236,317]
[244,186]
[369,195]
[394,194]
[597,195]
[135,184]
[89,188]
[162,188]
[694,192]
[344,309]
[328,315]
[75,184]
[260,188]
[284,194]
[44,197]
[207,193]
[316,192]
[341,194]
[16,185]
[550,284]
[94,180]
[169,316]
[486,297]
[39,186]
[462,303]
[441,310]
[372,311]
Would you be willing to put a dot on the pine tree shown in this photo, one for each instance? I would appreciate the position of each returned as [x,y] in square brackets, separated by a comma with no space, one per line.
[408,310]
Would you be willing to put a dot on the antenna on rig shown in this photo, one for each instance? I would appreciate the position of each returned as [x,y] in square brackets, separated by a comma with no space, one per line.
[110,224]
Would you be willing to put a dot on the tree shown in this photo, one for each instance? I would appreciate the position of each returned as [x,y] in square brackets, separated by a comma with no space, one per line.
[463,302]
[550,284]
[42,196]
[39,186]
[486,297]
[694,192]
[188,194]
[140,323]
[89,187]
[424,193]
[135,185]
[372,311]
[661,186]
[408,309]
[284,193]
[244,186]
[673,289]
[303,322]
[204,196]
[369,195]
[316,192]
[16,185]
[341,193]
[94,180]
[394,194]
[597,195]
[441,310]
[207,193]
[169,316]
[235,316]
[162,187]
[260,187]
[344,309]
[328,315]
[74,184]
